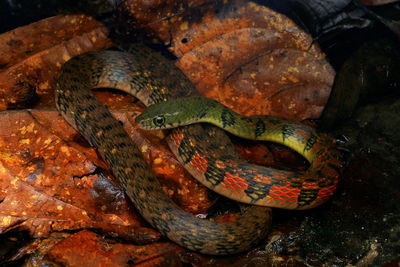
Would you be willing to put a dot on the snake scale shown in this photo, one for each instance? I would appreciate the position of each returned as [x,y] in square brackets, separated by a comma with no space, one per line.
[204,150]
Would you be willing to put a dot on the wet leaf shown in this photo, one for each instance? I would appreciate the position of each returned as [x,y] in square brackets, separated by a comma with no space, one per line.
[49,185]
[88,249]
[245,55]
[31,56]
[50,181]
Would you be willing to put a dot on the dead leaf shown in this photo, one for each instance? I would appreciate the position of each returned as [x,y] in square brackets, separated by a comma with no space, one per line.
[47,185]
[88,249]
[31,56]
[49,181]
[255,152]
[245,55]
[38,248]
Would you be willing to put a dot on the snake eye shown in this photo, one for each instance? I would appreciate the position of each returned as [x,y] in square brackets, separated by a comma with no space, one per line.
[159,120]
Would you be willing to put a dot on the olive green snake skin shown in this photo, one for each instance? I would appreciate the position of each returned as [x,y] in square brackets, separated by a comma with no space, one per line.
[153,79]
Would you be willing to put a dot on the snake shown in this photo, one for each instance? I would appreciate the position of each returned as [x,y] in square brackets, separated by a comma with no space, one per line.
[204,150]
[281,189]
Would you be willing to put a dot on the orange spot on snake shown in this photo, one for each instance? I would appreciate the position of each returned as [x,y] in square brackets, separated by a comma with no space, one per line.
[284,193]
[326,193]
[199,162]
[219,164]
[310,185]
[234,182]
[177,137]
[262,179]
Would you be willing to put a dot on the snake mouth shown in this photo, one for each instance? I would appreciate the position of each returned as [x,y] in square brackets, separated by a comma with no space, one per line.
[145,124]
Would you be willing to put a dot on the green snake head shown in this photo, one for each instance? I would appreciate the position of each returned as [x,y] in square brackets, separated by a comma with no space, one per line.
[176,112]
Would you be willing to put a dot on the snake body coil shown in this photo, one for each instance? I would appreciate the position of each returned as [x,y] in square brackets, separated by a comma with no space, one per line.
[150,78]
[265,187]
[204,150]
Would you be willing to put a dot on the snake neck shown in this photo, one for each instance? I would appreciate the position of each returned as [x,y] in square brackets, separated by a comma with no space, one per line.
[227,119]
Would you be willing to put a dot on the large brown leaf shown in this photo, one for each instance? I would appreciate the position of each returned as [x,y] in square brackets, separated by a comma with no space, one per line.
[49,180]
[243,54]
[48,185]
[88,249]
[31,56]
